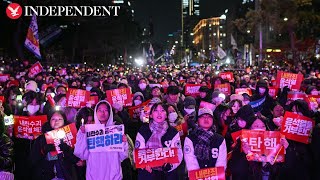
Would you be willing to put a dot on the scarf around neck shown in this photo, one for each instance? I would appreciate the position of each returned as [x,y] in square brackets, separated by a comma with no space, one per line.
[202,148]
[158,130]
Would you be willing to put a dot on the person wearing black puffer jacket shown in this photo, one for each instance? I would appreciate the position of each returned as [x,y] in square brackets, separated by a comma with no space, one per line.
[298,159]
[6,150]
[261,101]
[44,166]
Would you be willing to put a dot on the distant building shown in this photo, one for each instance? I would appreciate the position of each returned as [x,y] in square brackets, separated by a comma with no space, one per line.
[208,34]
[190,16]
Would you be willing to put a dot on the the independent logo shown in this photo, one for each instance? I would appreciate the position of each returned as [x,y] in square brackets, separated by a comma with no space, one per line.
[14,11]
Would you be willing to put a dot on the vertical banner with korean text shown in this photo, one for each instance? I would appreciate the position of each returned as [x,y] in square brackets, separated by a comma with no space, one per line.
[65,134]
[192,90]
[77,98]
[155,157]
[101,138]
[28,127]
[215,173]
[297,127]
[123,96]
[224,88]
[293,81]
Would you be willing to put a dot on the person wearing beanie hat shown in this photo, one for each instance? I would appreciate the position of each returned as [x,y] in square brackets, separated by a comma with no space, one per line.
[31,86]
[261,101]
[312,90]
[294,166]
[137,99]
[236,96]
[204,148]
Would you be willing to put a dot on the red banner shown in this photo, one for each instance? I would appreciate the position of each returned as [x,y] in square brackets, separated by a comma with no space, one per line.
[66,134]
[312,102]
[273,91]
[182,129]
[4,77]
[297,127]
[207,105]
[224,88]
[134,111]
[28,127]
[93,100]
[295,96]
[216,173]
[264,145]
[35,69]
[293,81]
[227,76]
[123,96]
[155,157]
[77,98]
[243,90]
[2,100]
[236,135]
[192,90]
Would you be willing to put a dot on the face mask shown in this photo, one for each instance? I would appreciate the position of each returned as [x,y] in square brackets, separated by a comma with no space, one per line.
[189,111]
[137,102]
[172,116]
[88,88]
[142,86]
[262,90]
[33,109]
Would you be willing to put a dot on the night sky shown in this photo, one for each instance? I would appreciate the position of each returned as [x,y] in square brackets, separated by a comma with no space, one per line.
[166,14]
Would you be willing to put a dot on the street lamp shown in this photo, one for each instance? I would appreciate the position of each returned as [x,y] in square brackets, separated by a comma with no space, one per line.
[285,19]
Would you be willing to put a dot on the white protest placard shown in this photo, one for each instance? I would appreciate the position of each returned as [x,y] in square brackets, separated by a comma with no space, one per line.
[101,138]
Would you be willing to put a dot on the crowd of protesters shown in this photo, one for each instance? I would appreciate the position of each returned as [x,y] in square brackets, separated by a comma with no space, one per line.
[207,141]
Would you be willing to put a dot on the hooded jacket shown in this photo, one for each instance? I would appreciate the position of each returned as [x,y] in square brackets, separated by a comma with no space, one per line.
[100,165]
[264,102]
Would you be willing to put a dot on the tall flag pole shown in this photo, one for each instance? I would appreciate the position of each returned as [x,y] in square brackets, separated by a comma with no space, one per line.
[32,40]
[151,55]
[233,42]
[220,53]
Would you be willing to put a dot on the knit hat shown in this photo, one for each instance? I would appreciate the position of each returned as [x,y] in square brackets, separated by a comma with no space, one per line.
[236,96]
[31,86]
[203,111]
[246,113]
[189,101]
[262,83]
[138,94]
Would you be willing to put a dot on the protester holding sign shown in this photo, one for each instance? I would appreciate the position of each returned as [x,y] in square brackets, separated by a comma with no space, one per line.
[203,148]
[101,165]
[158,134]
[31,107]
[298,163]
[44,166]
[238,163]
[267,169]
